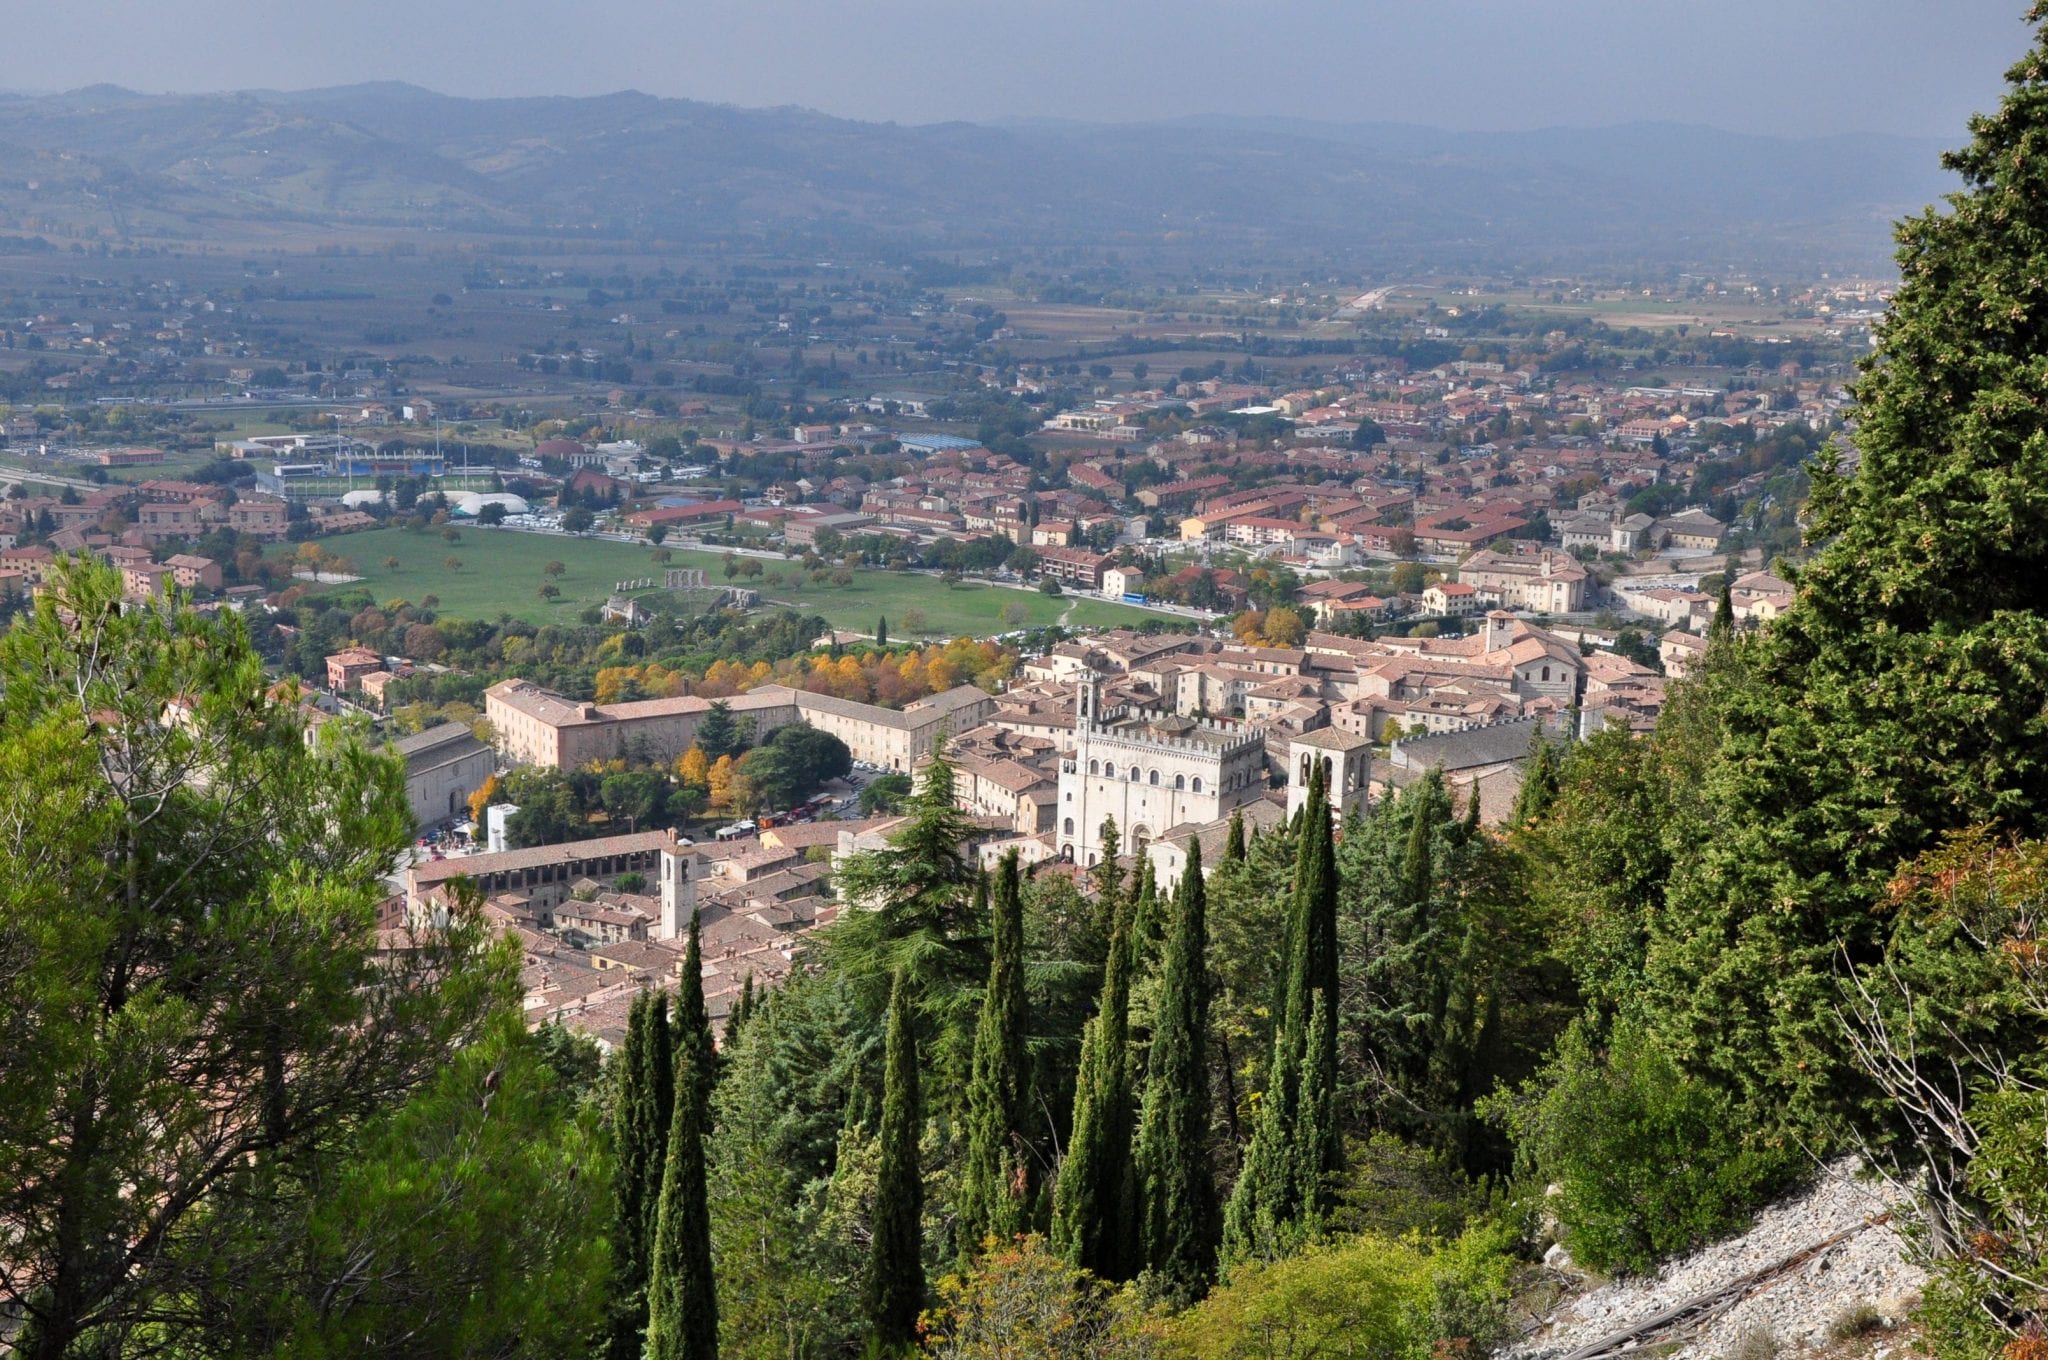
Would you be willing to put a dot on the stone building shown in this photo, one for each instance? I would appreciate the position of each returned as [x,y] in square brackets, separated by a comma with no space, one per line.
[1346,758]
[1150,771]
[443,766]
[538,727]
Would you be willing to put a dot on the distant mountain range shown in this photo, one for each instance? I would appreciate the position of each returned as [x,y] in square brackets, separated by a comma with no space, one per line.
[1224,190]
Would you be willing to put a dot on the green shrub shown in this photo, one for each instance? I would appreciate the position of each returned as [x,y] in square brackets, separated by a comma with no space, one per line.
[1361,1298]
[1648,1161]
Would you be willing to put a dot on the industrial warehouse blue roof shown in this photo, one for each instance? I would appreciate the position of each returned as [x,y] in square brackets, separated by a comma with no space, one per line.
[936,443]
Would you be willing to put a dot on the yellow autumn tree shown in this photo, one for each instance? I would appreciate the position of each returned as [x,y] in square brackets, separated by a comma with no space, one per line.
[1284,627]
[486,794]
[694,768]
[721,679]
[848,680]
[719,780]
[615,683]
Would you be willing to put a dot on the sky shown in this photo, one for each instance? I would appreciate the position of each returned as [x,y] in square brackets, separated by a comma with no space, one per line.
[1917,67]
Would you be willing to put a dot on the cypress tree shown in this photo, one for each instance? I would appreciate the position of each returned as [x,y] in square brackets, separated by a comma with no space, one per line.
[1471,827]
[1724,610]
[882,631]
[1539,781]
[1108,882]
[1295,1147]
[1233,848]
[1147,930]
[742,1011]
[1416,873]
[1317,1150]
[994,1199]
[635,1190]
[682,1296]
[1179,1183]
[893,1285]
[1092,1203]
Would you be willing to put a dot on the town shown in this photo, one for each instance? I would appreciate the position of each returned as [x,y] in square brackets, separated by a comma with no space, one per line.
[1139,724]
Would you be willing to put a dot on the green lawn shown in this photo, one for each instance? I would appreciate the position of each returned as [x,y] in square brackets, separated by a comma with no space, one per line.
[500,572]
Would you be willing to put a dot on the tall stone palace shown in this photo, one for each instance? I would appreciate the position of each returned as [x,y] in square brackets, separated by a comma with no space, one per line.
[1152,771]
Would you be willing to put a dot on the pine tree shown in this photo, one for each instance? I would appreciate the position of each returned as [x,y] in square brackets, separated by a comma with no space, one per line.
[995,1194]
[1284,1189]
[1093,1204]
[1179,1183]
[925,920]
[893,1284]
[682,1295]
[718,732]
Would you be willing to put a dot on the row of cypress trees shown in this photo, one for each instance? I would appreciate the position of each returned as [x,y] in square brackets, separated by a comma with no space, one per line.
[1284,1190]
[1137,1192]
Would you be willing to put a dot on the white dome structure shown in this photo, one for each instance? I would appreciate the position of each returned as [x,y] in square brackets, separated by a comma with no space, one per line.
[472,503]
[356,500]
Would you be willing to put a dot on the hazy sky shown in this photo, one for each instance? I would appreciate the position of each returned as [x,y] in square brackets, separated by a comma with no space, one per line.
[1912,66]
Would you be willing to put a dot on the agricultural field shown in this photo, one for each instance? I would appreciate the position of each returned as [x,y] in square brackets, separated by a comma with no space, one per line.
[500,571]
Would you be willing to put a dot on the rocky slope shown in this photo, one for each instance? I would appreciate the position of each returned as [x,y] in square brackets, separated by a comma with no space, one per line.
[1812,1265]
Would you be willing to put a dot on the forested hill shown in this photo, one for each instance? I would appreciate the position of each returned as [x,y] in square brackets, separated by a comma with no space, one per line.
[111,163]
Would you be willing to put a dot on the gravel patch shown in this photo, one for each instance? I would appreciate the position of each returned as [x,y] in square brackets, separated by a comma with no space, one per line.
[1795,1309]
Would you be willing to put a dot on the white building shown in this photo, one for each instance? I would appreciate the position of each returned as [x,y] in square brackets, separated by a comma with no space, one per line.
[1150,772]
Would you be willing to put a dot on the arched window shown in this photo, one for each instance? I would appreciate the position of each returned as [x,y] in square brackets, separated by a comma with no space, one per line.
[1134,774]
[1153,778]
[1068,828]
[1180,781]
[1546,672]
[1198,783]
[1109,771]
[1095,767]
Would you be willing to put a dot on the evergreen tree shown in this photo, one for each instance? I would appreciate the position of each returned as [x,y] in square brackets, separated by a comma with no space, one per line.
[1724,608]
[682,1295]
[718,732]
[1148,930]
[1285,1187]
[893,1284]
[882,631]
[641,1141]
[1094,1200]
[1233,848]
[1179,1182]
[922,921]
[995,1194]
[1539,780]
[1904,694]
[1107,877]
[742,1011]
